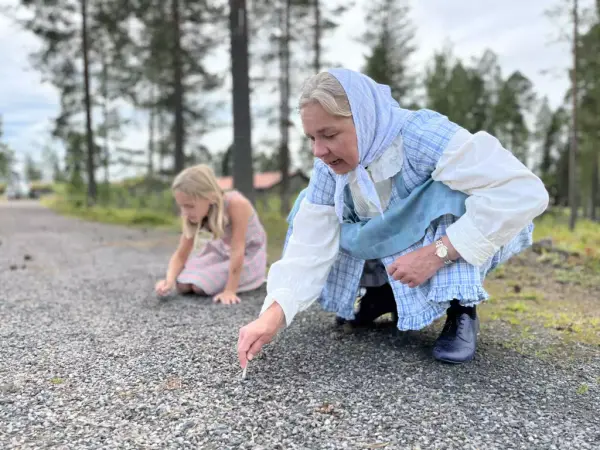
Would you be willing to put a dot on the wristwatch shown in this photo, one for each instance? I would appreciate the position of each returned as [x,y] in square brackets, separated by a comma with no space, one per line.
[442,251]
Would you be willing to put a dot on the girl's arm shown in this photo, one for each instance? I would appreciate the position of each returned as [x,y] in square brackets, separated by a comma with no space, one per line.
[180,256]
[240,211]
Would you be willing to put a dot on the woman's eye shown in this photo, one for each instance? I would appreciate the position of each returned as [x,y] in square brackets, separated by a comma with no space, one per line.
[330,136]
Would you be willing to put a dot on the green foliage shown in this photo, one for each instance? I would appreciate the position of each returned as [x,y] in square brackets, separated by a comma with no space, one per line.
[477,97]
[153,56]
[390,39]
[6,156]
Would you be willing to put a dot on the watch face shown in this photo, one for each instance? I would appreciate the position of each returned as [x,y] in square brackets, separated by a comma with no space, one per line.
[442,252]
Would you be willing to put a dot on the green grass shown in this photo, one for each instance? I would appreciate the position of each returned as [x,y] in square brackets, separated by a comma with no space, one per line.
[275,224]
[584,239]
[570,313]
[142,217]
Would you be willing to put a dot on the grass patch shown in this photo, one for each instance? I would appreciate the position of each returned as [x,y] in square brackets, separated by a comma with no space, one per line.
[275,225]
[517,307]
[584,239]
[107,214]
[571,316]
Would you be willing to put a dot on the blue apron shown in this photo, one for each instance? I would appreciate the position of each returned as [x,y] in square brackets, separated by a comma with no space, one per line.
[402,224]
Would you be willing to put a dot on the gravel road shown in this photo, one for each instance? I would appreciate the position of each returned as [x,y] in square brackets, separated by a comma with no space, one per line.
[90,358]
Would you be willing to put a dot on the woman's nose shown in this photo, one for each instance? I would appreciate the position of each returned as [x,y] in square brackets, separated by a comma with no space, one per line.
[319,149]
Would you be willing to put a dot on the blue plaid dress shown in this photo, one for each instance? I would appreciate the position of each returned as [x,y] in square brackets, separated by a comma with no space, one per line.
[425,136]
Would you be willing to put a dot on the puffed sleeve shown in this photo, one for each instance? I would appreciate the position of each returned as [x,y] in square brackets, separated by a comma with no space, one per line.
[297,279]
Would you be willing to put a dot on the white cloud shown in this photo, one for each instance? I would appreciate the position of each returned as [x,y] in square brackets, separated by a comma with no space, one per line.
[516,30]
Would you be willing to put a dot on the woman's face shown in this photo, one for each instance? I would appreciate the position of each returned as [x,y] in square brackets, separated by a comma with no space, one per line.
[333,138]
[192,208]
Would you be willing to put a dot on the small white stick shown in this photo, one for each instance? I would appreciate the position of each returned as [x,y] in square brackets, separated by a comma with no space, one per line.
[244,372]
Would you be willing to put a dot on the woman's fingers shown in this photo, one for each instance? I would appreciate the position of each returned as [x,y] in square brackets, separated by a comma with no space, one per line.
[251,340]
[245,341]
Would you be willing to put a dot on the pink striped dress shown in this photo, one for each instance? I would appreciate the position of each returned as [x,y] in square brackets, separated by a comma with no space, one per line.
[207,268]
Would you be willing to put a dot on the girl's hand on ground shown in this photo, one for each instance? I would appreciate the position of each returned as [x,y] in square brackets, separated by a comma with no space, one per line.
[163,287]
[226,297]
[260,332]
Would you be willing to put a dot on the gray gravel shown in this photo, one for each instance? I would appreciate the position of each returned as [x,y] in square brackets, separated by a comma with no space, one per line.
[90,358]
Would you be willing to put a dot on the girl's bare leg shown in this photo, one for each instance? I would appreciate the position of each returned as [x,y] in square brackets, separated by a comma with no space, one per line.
[184,288]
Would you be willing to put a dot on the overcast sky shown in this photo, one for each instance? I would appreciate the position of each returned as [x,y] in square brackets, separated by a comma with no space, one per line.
[517,30]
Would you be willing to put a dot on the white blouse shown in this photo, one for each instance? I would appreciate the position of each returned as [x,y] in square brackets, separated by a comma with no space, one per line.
[504,196]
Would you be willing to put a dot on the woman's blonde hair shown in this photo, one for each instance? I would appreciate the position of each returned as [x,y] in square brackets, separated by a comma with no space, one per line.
[325,89]
[199,181]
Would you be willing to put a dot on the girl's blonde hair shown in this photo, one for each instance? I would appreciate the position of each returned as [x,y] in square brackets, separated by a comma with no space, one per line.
[199,181]
[325,89]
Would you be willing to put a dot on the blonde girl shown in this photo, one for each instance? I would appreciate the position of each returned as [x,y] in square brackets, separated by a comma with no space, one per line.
[234,260]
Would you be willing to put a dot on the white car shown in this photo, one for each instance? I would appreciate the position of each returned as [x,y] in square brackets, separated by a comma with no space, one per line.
[17,189]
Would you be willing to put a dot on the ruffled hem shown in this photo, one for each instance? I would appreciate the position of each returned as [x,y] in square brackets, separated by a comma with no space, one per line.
[420,321]
[438,299]
[346,313]
[247,286]
[467,295]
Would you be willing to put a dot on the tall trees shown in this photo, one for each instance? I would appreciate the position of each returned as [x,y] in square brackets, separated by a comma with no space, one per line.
[390,36]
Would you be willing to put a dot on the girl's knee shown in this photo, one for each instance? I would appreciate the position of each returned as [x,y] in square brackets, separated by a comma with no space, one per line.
[184,288]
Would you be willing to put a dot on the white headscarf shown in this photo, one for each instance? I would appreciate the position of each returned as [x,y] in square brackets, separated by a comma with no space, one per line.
[378,120]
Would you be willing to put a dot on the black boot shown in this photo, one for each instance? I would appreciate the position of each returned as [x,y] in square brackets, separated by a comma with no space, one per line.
[375,303]
[458,340]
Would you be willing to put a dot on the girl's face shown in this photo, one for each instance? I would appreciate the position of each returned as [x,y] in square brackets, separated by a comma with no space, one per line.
[333,138]
[192,208]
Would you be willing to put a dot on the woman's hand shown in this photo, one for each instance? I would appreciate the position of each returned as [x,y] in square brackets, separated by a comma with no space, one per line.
[260,332]
[226,297]
[163,287]
[416,267]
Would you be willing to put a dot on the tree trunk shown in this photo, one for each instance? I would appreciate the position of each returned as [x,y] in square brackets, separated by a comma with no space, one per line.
[162,147]
[151,132]
[243,173]
[92,190]
[573,149]
[284,89]
[317,41]
[178,88]
[105,149]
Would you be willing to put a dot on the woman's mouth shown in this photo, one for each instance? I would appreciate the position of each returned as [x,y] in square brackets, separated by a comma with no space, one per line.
[335,162]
